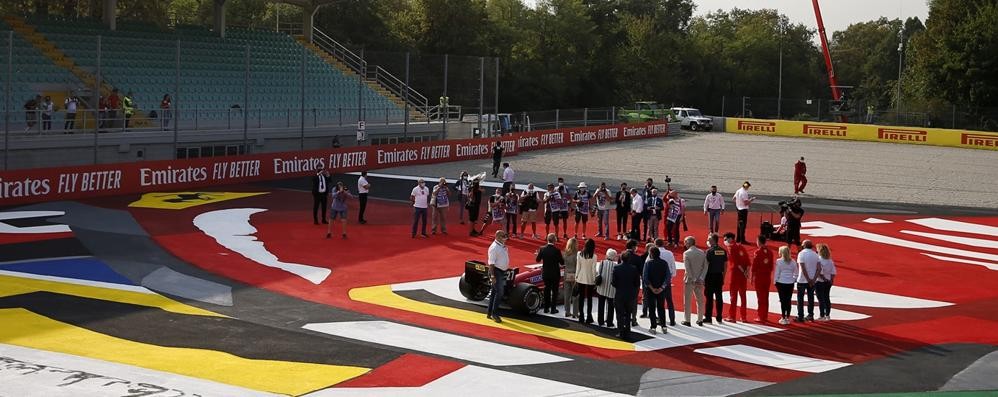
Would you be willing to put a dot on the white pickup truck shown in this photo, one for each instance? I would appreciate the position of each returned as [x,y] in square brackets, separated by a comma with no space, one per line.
[692,119]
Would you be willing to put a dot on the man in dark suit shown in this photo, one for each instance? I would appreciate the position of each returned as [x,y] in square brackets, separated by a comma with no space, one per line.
[625,281]
[321,183]
[497,150]
[551,264]
[656,278]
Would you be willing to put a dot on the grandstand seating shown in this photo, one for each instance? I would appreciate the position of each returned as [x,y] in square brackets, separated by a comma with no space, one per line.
[33,73]
[142,59]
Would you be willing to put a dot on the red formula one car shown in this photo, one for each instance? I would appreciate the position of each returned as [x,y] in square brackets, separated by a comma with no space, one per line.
[523,285]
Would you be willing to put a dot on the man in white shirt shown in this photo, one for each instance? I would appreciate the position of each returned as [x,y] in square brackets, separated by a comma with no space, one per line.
[808,260]
[507,177]
[363,187]
[742,202]
[70,105]
[637,213]
[713,207]
[498,265]
[420,199]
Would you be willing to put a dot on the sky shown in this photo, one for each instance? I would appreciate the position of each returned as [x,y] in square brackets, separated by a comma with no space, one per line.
[838,14]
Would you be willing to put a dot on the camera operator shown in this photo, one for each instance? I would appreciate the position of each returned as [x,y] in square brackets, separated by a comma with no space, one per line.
[794,213]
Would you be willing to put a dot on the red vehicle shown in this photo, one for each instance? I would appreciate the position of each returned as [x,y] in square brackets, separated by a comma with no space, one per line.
[523,285]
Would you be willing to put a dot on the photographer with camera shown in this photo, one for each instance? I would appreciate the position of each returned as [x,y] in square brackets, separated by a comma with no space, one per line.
[794,213]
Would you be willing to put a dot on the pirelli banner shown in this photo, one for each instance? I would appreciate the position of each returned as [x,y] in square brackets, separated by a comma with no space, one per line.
[866,132]
[46,184]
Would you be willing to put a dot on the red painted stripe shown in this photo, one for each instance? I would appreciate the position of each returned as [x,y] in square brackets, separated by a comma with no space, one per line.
[410,370]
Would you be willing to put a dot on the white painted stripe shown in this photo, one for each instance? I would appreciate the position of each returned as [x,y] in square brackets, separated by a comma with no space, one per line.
[843,208]
[991,266]
[434,342]
[825,229]
[31,372]
[956,226]
[770,358]
[876,221]
[676,337]
[231,228]
[473,381]
[77,281]
[8,228]
[973,242]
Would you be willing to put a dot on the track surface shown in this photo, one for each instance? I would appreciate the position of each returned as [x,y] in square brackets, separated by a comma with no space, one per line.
[239,294]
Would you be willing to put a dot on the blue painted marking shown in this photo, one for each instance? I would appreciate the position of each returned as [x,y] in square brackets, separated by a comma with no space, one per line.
[76,268]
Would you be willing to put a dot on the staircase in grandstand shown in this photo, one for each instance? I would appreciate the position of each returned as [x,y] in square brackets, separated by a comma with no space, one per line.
[374,76]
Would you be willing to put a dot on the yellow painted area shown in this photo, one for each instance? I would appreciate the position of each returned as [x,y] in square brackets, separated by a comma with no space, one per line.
[10,286]
[27,329]
[865,132]
[183,200]
[383,295]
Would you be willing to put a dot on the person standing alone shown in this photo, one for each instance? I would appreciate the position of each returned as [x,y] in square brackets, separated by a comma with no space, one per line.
[363,188]
[800,176]
[742,202]
[70,104]
[713,207]
[497,150]
[420,199]
[320,195]
[498,259]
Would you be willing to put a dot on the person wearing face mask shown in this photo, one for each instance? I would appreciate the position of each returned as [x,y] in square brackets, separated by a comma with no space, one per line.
[440,202]
[420,199]
[649,185]
[743,201]
[637,214]
[528,210]
[603,203]
[739,263]
[582,199]
[653,209]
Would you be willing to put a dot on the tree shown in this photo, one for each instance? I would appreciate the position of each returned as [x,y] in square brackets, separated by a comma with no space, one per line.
[954,59]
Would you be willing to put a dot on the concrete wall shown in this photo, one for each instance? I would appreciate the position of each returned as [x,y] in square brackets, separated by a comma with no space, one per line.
[61,150]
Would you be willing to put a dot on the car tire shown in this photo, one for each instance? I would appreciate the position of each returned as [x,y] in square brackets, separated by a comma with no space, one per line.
[473,292]
[525,298]
[694,127]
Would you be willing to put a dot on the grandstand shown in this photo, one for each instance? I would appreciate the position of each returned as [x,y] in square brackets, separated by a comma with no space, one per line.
[54,55]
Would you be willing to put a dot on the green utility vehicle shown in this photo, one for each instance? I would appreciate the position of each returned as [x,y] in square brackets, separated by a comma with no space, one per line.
[645,111]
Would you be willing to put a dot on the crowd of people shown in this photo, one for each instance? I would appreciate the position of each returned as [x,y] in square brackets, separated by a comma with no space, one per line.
[113,111]
[618,281]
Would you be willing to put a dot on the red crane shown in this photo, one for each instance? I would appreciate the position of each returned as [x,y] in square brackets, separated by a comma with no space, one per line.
[836,95]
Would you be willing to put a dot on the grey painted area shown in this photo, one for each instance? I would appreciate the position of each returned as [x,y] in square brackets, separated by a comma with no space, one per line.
[661,382]
[168,281]
[83,216]
[981,375]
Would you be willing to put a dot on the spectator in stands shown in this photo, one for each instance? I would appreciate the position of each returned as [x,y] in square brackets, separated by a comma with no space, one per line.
[31,112]
[165,112]
[102,108]
[128,108]
[113,104]
[47,107]
[70,104]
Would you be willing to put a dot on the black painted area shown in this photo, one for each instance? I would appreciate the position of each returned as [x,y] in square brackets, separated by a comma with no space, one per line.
[920,370]
[563,323]
[155,326]
[51,248]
